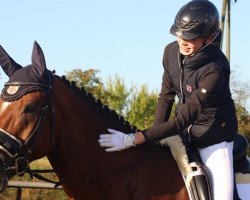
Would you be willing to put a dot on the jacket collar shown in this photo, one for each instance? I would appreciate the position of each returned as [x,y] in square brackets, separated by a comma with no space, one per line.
[201,58]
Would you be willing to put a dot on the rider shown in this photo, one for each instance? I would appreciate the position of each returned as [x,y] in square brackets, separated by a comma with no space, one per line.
[197,71]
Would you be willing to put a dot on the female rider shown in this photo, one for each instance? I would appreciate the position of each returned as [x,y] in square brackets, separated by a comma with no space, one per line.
[197,71]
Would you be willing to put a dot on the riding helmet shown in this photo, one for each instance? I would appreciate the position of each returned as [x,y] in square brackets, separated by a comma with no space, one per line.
[194,19]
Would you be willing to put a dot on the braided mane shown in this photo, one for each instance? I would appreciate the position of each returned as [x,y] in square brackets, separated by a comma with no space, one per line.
[97,102]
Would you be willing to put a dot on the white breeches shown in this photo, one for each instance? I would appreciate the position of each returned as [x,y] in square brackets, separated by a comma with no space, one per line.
[219,160]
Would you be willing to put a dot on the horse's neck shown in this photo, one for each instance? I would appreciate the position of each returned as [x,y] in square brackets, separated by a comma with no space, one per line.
[79,122]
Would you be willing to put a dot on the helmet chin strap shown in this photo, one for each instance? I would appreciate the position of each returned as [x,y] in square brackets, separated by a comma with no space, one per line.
[217,33]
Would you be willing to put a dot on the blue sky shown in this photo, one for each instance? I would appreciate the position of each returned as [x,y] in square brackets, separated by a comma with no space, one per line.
[126,38]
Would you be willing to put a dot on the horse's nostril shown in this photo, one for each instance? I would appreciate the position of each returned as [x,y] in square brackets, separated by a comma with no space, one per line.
[3,179]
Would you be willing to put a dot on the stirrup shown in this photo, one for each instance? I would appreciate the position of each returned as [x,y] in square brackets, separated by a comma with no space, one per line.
[198,182]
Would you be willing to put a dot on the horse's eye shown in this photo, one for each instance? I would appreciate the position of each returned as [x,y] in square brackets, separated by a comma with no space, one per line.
[30,109]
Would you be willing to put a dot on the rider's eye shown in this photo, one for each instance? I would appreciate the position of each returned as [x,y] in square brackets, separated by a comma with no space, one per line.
[30,109]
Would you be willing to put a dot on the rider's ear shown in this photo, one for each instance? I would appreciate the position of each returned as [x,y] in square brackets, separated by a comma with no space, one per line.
[8,65]
[38,59]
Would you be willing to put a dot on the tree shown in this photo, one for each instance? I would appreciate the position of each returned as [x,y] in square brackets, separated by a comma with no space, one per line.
[87,79]
[142,107]
[115,94]
[241,93]
[136,105]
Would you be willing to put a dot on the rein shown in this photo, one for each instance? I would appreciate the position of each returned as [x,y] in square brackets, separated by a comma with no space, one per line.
[35,173]
[120,170]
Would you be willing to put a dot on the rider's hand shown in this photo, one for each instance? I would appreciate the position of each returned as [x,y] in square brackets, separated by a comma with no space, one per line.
[116,141]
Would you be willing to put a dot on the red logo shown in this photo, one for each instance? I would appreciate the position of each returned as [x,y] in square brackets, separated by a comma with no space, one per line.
[189,88]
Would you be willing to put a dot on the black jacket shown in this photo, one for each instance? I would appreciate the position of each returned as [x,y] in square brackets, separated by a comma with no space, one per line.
[205,111]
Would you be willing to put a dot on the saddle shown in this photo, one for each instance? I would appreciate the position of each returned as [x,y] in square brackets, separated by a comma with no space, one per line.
[241,160]
[195,174]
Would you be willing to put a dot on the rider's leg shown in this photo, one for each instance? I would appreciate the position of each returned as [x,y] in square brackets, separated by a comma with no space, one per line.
[219,160]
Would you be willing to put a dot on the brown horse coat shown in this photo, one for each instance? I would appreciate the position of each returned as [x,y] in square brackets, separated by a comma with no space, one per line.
[69,138]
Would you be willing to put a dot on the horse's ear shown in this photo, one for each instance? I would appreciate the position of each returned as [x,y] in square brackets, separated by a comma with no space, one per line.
[38,59]
[8,65]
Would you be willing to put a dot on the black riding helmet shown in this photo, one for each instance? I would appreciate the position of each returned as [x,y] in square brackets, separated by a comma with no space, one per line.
[196,18]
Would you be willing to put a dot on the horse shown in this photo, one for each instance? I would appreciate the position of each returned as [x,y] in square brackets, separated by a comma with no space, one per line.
[42,114]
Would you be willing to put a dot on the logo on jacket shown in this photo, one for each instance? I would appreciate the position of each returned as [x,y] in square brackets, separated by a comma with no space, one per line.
[189,88]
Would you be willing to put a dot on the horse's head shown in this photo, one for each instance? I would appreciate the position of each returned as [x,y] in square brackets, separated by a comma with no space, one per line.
[24,101]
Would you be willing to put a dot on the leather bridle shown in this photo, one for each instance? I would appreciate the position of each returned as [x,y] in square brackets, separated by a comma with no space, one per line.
[16,150]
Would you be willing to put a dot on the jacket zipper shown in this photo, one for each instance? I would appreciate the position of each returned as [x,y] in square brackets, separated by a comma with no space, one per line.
[181,64]
[181,78]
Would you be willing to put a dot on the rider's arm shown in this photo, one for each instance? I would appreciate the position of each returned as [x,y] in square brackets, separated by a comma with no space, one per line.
[189,111]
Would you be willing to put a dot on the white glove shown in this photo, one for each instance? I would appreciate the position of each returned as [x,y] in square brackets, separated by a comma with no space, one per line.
[116,141]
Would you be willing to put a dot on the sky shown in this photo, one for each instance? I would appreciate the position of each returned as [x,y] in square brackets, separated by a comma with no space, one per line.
[124,38]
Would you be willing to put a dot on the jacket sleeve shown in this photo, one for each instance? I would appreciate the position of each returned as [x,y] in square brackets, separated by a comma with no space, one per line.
[189,111]
[166,96]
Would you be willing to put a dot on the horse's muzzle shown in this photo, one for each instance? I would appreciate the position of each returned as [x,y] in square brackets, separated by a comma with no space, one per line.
[3,178]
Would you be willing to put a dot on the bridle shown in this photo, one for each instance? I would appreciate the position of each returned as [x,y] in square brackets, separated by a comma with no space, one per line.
[16,150]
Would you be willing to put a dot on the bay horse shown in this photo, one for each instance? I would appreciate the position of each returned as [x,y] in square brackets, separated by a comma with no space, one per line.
[42,114]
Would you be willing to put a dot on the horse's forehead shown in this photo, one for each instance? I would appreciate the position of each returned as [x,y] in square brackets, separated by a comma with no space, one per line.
[4,106]
[36,97]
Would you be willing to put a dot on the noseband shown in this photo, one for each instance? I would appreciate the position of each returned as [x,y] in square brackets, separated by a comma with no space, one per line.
[17,150]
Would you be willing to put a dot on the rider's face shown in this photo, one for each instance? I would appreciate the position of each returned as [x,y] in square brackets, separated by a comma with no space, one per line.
[189,47]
